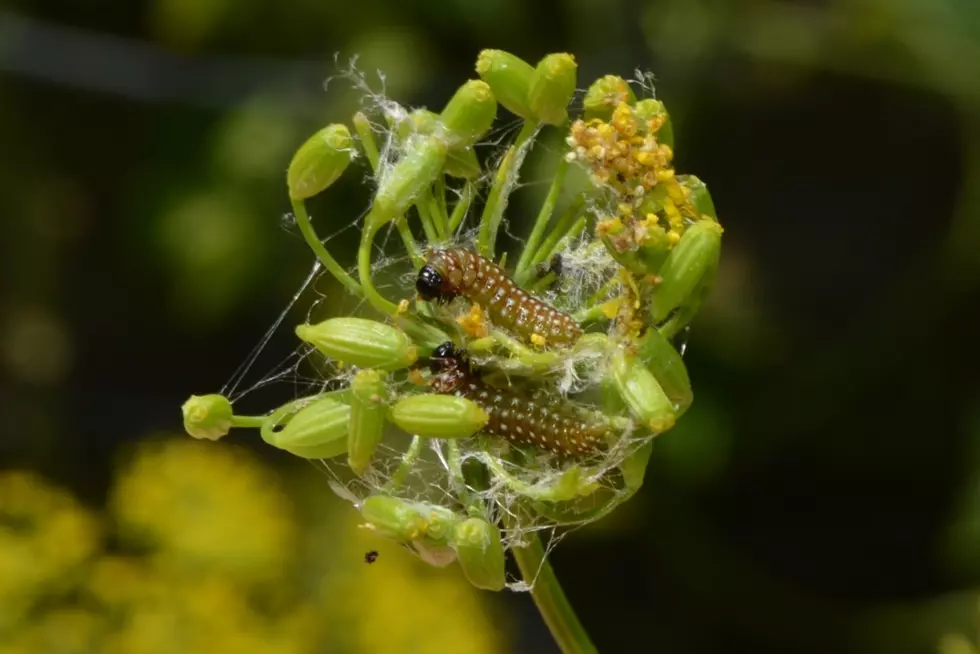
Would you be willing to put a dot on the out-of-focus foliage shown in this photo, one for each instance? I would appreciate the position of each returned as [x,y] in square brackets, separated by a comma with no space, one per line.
[207,552]
[827,501]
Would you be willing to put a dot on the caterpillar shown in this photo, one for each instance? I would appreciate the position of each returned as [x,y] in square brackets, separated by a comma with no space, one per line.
[542,422]
[453,272]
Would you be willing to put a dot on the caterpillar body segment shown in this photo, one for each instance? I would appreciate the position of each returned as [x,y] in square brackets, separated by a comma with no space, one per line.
[535,421]
[453,272]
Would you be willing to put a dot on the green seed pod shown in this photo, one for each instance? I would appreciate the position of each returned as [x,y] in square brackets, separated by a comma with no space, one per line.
[419,121]
[408,521]
[462,163]
[509,78]
[649,109]
[642,393]
[605,94]
[319,162]
[207,416]
[439,416]
[418,167]
[552,88]
[369,392]
[634,467]
[393,518]
[480,553]
[700,197]
[469,113]
[316,431]
[363,343]
[694,256]
[668,367]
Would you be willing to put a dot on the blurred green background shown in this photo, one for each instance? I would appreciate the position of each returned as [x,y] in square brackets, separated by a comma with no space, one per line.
[822,495]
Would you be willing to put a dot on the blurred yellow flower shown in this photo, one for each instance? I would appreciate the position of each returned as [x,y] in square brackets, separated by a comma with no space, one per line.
[206,506]
[63,631]
[45,535]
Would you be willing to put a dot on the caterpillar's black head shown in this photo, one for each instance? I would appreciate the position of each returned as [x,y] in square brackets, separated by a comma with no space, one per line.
[446,357]
[431,285]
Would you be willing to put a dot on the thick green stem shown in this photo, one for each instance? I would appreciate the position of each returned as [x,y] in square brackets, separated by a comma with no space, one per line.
[503,183]
[548,596]
[428,225]
[541,223]
[364,269]
[564,226]
[306,227]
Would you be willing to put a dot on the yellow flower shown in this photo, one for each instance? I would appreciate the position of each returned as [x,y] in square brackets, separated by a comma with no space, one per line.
[206,506]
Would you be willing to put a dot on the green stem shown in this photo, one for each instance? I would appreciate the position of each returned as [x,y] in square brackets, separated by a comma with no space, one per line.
[247,421]
[503,183]
[439,193]
[306,227]
[548,596]
[565,224]
[590,314]
[406,464]
[364,269]
[462,205]
[541,223]
[428,226]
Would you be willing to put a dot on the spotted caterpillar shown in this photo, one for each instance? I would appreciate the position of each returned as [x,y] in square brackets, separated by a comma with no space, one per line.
[539,422]
[453,272]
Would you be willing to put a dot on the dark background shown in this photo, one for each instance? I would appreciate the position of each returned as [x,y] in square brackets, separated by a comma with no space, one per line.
[821,495]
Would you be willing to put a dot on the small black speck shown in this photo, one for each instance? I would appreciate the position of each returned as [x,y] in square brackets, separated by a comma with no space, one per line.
[370,557]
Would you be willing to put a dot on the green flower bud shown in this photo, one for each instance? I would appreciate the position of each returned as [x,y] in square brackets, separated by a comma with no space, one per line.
[694,256]
[207,416]
[318,430]
[604,96]
[369,393]
[642,393]
[469,113]
[418,167]
[510,78]
[648,109]
[480,553]
[552,88]
[462,163]
[319,162]
[439,416]
[401,520]
[668,367]
[360,342]
[700,197]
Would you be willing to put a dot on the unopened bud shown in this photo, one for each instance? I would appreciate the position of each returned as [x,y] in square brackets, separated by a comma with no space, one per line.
[634,467]
[319,162]
[552,88]
[480,553]
[469,113]
[420,165]
[369,394]
[642,393]
[361,342]
[316,431]
[605,94]
[694,256]
[509,78]
[439,416]
[207,416]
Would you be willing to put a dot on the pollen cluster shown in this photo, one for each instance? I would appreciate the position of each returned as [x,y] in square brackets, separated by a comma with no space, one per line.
[626,155]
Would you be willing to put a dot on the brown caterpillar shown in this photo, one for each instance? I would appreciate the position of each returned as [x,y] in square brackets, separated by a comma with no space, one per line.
[456,271]
[544,423]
